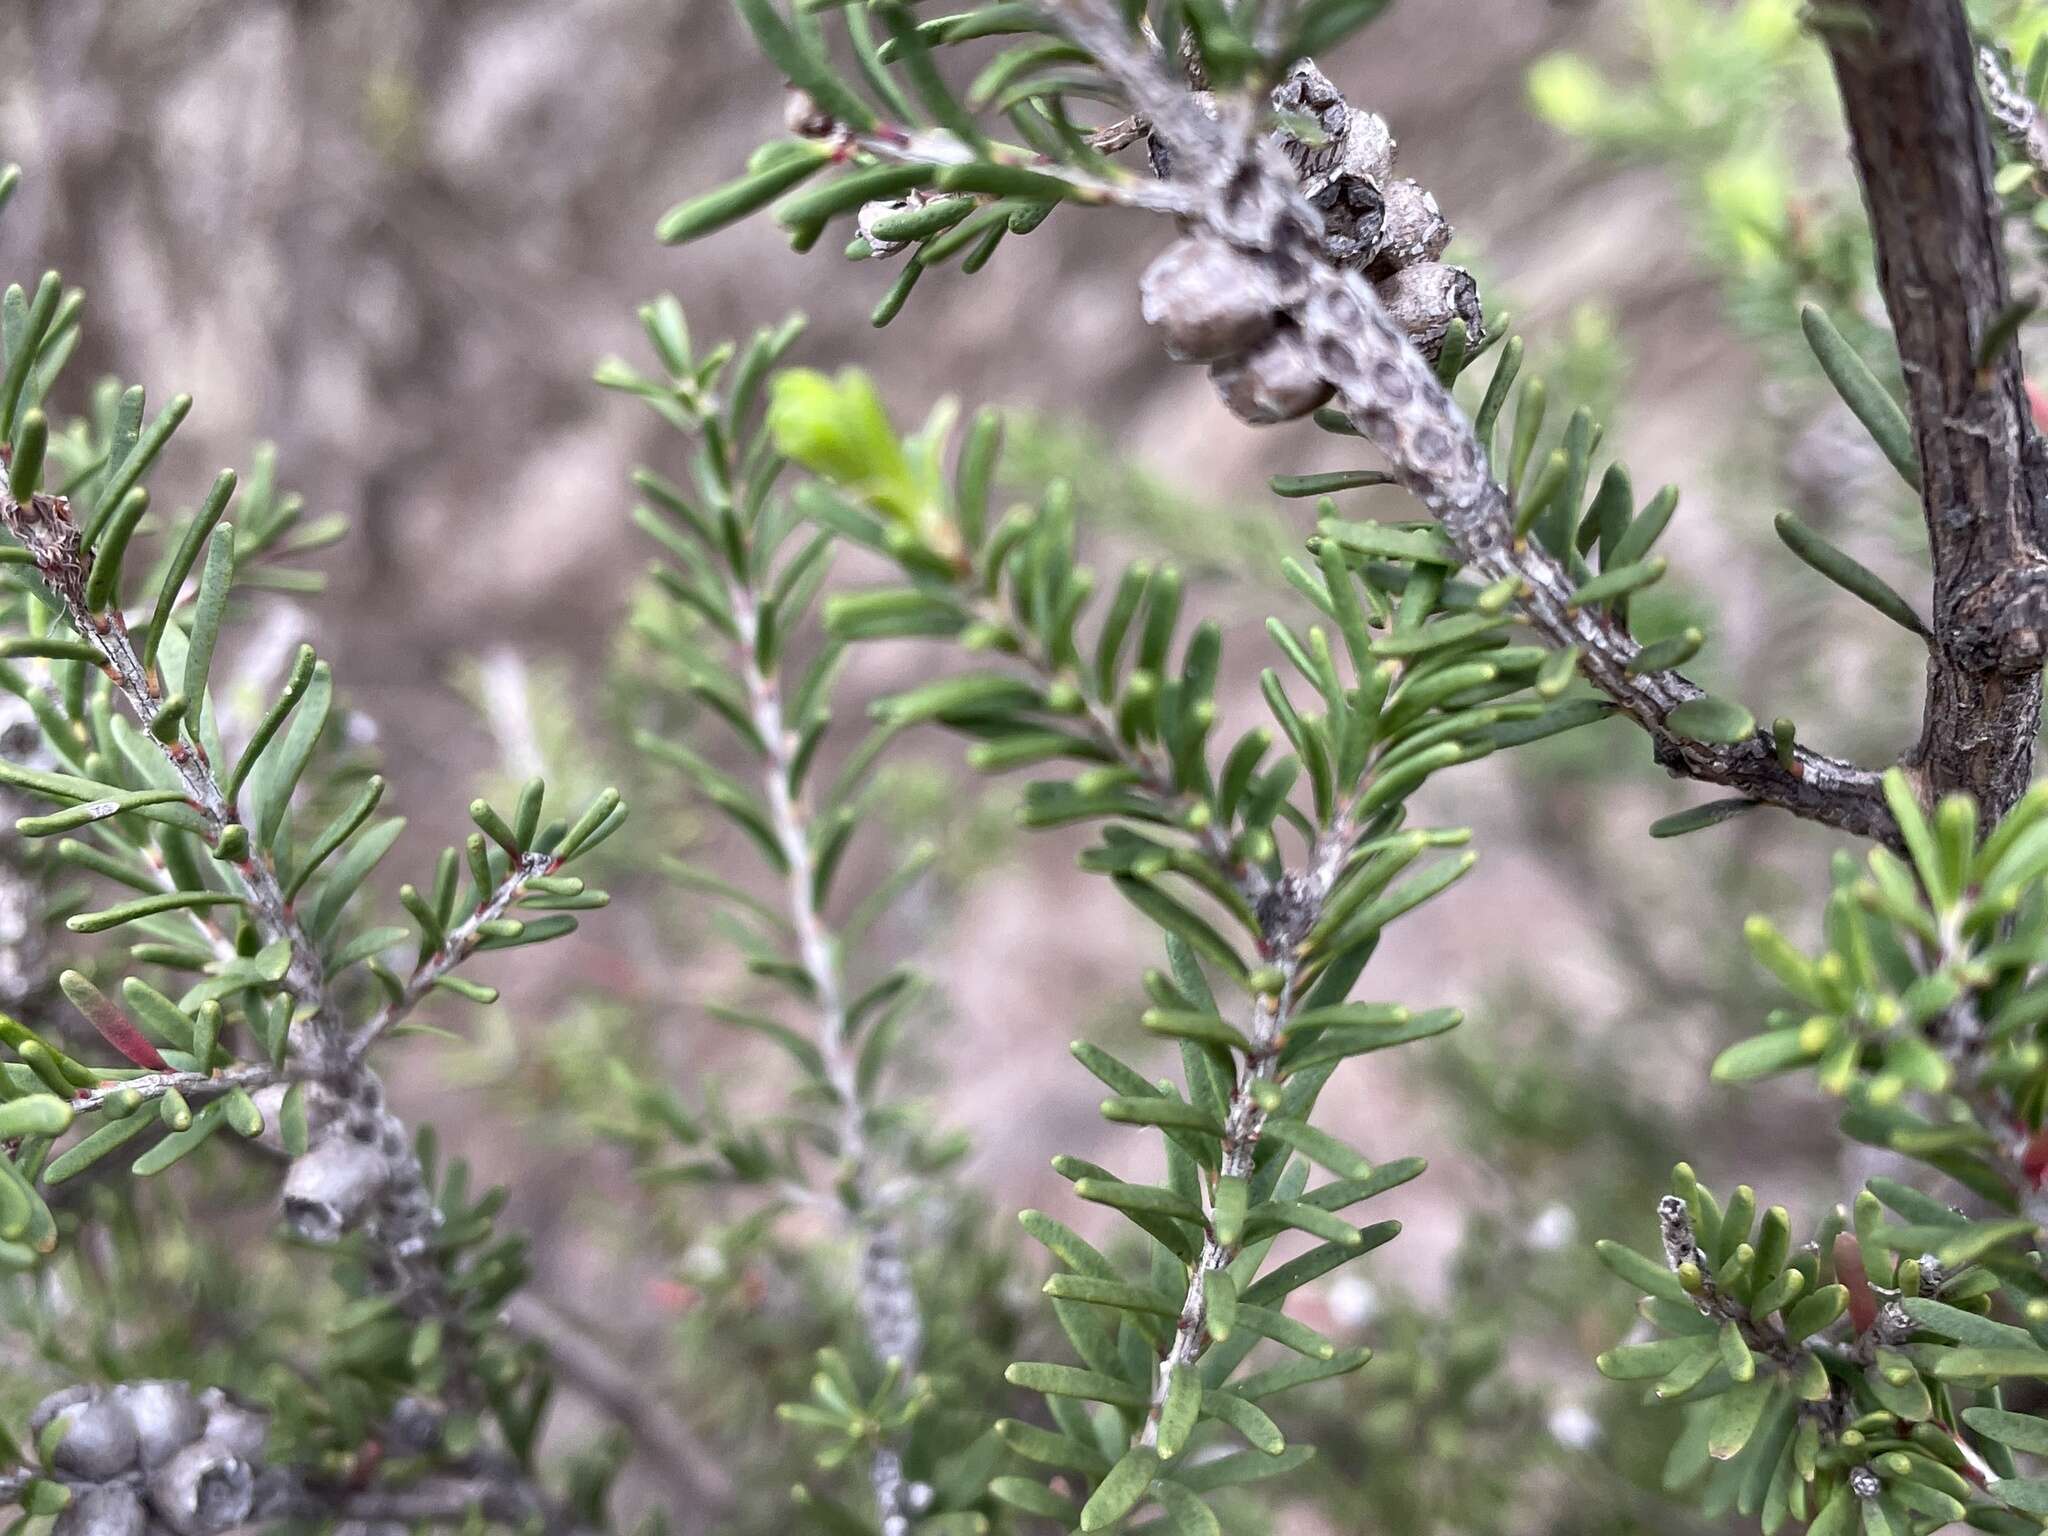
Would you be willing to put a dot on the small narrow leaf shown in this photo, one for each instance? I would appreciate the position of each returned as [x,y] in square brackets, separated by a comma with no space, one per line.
[1871,403]
[1848,573]
[1717,722]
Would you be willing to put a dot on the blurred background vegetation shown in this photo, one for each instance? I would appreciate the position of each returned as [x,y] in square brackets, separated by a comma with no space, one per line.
[394,238]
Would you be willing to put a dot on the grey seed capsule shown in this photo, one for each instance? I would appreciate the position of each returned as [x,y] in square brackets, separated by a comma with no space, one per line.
[54,1404]
[204,1489]
[112,1510]
[1413,229]
[414,1426]
[328,1191]
[99,1441]
[1359,140]
[167,1418]
[1210,299]
[1275,381]
[1342,167]
[241,1430]
[1425,298]
[1354,218]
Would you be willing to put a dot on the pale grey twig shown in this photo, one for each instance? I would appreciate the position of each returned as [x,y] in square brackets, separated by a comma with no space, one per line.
[889,1309]
[1245,193]
[928,146]
[195,1086]
[2013,110]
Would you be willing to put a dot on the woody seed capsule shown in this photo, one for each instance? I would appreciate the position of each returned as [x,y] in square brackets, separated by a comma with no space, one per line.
[113,1510]
[166,1415]
[1424,299]
[1211,300]
[66,1397]
[330,1189]
[1413,229]
[1358,140]
[228,1424]
[320,1109]
[1276,381]
[204,1489]
[1343,168]
[98,1440]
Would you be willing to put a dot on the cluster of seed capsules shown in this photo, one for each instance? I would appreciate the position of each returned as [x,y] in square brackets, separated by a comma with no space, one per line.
[149,1458]
[1229,308]
[357,1167]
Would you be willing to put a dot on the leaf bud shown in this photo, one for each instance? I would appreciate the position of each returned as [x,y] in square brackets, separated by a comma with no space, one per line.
[802,115]
[1211,299]
[881,208]
[1276,381]
[1424,299]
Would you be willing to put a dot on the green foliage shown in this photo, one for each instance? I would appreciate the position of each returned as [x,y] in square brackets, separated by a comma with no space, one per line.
[1408,677]
[744,573]
[918,165]
[248,978]
[1857,1379]
[838,429]
[1923,1012]
[1194,835]
[1926,957]
[1856,1376]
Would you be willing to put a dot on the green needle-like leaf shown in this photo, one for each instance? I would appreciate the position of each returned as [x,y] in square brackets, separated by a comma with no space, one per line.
[1847,573]
[1870,402]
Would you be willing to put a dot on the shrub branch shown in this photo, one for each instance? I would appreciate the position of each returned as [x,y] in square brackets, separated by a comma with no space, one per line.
[1922,150]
